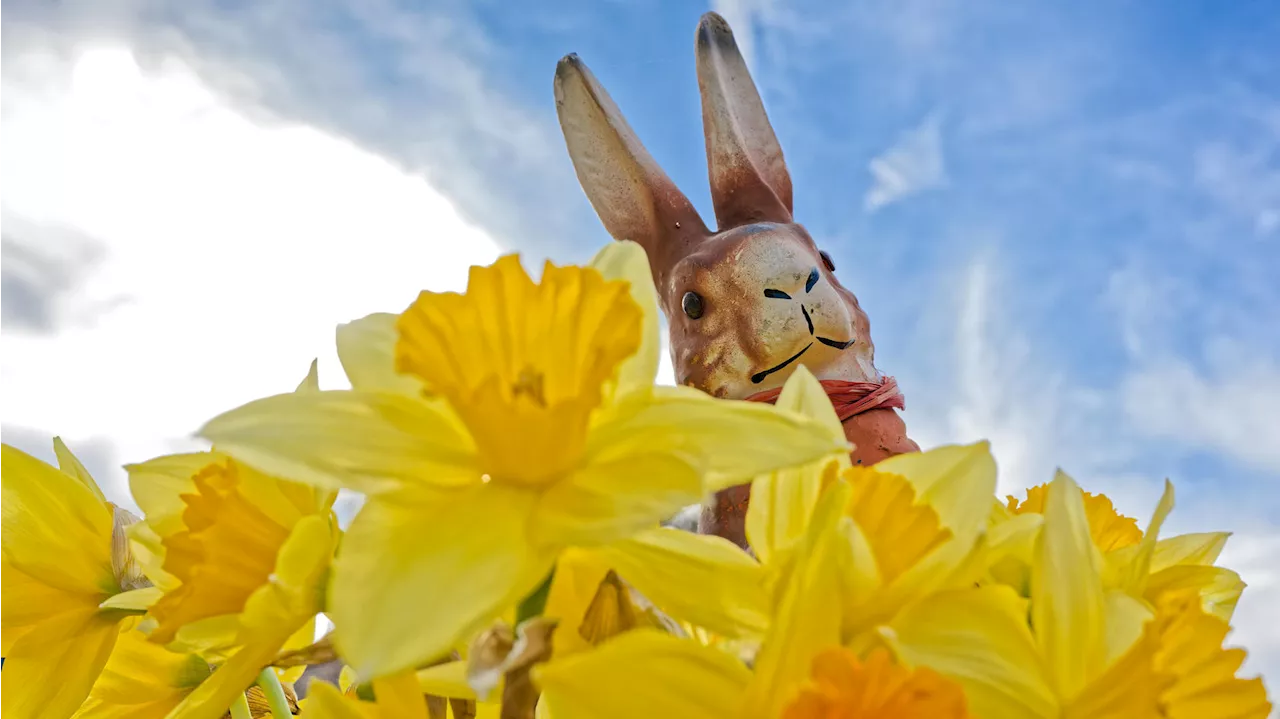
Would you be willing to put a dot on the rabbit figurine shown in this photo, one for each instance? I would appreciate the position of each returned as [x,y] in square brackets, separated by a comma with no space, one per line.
[750,302]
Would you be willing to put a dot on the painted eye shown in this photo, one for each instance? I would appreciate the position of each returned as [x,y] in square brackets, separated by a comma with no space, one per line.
[692,305]
[826,260]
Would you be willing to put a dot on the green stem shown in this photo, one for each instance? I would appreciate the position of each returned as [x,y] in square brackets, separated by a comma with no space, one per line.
[533,604]
[274,693]
[240,708]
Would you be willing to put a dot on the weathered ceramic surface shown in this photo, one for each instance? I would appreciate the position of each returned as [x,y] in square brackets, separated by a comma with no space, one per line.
[754,299]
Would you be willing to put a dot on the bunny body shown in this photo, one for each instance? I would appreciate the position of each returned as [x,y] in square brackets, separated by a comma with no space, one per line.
[746,304]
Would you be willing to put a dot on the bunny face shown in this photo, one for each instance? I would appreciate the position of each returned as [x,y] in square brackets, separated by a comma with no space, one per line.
[751,304]
[752,301]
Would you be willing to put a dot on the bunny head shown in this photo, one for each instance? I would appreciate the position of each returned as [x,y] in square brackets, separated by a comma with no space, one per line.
[753,300]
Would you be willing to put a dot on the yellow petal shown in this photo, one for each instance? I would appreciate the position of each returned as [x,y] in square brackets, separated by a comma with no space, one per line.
[48,672]
[808,617]
[979,638]
[68,463]
[670,568]
[400,697]
[326,702]
[579,573]
[782,501]
[94,708]
[842,687]
[620,491]
[952,503]
[899,531]
[367,351]
[142,679]
[135,600]
[1219,588]
[55,528]
[1202,548]
[446,680]
[627,261]
[730,442]
[644,674]
[310,383]
[956,481]
[28,601]
[1130,688]
[369,442]
[148,548]
[523,365]
[1125,619]
[211,699]
[1205,673]
[1011,549]
[295,592]
[157,485]
[1066,590]
[658,451]
[1136,581]
[215,638]
[444,564]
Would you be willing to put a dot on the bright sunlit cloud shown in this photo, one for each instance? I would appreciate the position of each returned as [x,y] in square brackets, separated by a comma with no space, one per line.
[232,246]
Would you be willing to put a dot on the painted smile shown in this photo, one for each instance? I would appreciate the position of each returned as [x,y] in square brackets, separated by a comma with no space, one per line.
[758,377]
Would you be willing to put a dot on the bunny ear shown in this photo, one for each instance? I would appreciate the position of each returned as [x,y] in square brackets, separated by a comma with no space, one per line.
[633,196]
[749,178]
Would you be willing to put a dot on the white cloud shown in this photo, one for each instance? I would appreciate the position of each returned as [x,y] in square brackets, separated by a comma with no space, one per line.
[986,382]
[912,165]
[239,242]
[1233,408]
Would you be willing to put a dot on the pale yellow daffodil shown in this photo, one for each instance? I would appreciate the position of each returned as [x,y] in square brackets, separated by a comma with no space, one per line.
[241,557]
[1137,562]
[246,556]
[490,431]
[801,672]
[918,520]
[70,583]
[1093,653]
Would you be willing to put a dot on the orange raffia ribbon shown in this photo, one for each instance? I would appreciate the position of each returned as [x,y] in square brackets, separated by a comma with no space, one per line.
[850,398]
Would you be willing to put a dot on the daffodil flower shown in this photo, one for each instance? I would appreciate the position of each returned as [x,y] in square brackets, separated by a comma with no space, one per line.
[244,556]
[241,558]
[801,672]
[1138,562]
[918,520]
[70,582]
[490,431]
[1087,652]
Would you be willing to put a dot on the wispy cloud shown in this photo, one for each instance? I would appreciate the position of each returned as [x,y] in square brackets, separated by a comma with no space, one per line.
[1232,408]
[912,165]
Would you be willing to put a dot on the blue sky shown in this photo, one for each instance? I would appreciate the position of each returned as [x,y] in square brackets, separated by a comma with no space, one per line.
[1063,219]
